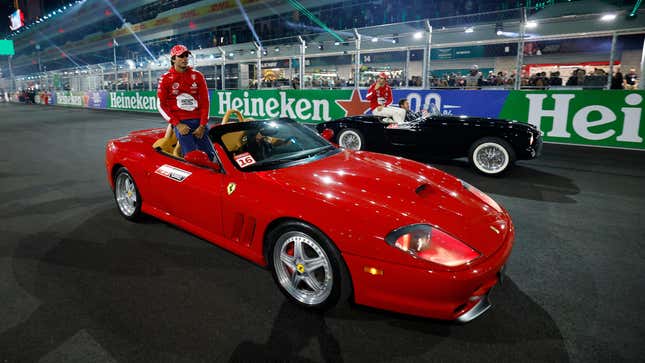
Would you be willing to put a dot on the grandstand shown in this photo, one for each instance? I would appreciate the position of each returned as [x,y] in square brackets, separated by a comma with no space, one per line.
[118,44]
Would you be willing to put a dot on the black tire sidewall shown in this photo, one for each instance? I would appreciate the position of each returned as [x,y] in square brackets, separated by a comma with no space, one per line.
[341,289]
[502,143]
[137,209]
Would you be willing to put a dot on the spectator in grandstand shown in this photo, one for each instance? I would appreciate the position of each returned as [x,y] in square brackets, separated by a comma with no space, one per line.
[183,102]
[474,77]
[555,79]
[596,80]
[380,96]
[631,80]
[617,80]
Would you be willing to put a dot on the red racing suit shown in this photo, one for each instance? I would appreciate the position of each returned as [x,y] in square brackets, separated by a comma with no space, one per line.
[379,97]
[183,96]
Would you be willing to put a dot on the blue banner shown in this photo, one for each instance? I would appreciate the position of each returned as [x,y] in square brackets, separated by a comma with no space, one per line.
[455,102]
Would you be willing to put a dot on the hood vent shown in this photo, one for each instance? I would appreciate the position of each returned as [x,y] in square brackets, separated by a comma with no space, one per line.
[423,190]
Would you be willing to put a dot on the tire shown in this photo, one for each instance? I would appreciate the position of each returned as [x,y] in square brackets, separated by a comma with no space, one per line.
[126,195]
[491,156]
[316,277]
[351,139]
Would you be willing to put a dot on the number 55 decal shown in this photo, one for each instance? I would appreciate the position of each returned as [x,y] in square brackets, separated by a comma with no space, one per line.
[244,160]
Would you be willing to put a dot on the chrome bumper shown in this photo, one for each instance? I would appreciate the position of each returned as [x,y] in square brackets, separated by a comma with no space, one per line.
[482,306]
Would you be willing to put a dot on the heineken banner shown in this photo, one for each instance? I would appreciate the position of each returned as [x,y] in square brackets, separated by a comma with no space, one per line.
[68,99]
[599,118]
[143,101]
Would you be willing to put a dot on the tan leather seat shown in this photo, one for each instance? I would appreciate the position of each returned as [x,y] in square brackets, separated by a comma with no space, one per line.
[168,143]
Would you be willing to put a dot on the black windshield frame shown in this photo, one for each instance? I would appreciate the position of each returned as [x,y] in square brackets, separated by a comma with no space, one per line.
[324,148]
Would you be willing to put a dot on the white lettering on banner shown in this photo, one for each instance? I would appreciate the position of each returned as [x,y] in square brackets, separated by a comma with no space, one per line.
[246,100]
[321,105]
[237,104]
[301,108]
[224,102]
[258,107]
[632,119]
[287,111]
[136,102]
[581,123]
[559,113]
[415,101]
[70,100]
[272,107]
[580,120]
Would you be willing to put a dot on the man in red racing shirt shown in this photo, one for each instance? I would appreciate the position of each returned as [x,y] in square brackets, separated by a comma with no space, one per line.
[183,102]
[380,96]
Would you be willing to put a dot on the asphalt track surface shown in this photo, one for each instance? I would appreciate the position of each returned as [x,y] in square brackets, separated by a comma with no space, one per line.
[79,283]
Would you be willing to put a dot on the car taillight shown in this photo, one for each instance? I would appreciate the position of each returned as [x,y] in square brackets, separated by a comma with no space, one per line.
[432,244]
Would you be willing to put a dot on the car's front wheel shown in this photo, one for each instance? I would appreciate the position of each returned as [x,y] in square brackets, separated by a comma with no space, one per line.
[307,267]
[351,139]
[126,195]
[491,156]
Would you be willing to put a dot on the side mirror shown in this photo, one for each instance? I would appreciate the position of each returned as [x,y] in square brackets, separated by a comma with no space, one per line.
[327,134]
[200,158]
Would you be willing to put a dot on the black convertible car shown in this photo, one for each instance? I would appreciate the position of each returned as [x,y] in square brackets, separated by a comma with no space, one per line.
[491,145]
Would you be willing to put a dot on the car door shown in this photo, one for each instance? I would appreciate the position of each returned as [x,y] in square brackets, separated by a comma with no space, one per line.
[424,137]
[187,191]
[446,136]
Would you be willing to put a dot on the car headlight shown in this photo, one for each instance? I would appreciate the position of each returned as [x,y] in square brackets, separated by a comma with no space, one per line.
[431,244]
[531,139]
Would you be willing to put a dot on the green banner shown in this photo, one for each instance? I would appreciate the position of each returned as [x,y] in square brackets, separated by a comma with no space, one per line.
[142,101]
[6,47]
[595,117]
[312,106]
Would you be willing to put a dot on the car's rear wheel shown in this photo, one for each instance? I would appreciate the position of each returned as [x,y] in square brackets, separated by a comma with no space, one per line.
[126,195]
[351,139]
[491,156]
[307,267]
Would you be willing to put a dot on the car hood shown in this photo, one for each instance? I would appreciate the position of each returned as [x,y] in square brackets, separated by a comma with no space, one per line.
[393,192]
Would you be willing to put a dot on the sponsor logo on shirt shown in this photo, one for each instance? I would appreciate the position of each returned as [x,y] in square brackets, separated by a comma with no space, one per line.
[186,102]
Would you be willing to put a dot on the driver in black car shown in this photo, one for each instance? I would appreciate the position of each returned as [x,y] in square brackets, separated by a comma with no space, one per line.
[409,114]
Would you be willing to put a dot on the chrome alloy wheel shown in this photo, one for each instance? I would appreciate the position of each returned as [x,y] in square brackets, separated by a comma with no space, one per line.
[349,139]
[126,194]
[303,268]
[490,158]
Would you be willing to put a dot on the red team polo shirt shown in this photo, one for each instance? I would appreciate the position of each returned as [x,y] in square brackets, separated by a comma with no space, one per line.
[183,96]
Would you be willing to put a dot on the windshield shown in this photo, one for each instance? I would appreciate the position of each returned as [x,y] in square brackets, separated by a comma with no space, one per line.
[271,144]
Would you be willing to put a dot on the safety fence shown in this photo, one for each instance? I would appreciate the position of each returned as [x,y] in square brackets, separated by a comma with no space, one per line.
[582,117]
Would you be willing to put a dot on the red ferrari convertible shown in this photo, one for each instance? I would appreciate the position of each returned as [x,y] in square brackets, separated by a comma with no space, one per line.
[331,224]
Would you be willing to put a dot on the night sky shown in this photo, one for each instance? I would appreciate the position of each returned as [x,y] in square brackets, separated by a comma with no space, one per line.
[6,7]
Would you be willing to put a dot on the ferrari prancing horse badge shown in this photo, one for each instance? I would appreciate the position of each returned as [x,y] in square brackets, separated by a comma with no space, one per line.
[230,188]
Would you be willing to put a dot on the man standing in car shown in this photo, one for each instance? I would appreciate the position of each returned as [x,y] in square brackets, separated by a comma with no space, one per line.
[183,101]
[380,96]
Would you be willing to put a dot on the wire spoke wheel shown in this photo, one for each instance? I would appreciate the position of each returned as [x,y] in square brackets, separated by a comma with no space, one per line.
[350,139]
[490,158]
